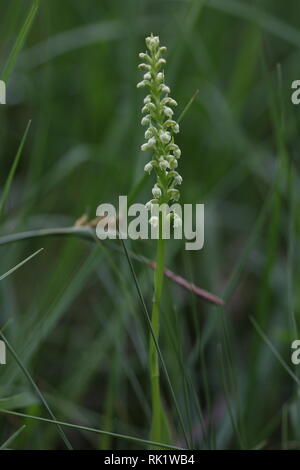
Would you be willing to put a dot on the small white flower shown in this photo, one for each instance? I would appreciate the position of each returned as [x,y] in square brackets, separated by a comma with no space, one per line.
[147,76]
[144,147]
[148,145]
[151,141]
[148,134]
[159,76]
[173,194]
[164,88]
[148,107]
[168,111]
[146,120]
[173,125]
[161,61]
[172,162]
[154,221]
[147,99]
[164,164]
[148,167]
[177,153]
[165,137]
[162,49]
[142,55]
[156,191]
[175,149]
[144,66]
[169,100]
[141,84]
[178,179]
[152,42]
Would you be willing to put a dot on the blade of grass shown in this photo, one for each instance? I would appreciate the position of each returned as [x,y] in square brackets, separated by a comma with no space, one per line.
[96,431]
[35,387]
[12,270]
[13,170]
[20,41]
[12,438]
[234,419]
[187,107]
[175,333]
[274,351]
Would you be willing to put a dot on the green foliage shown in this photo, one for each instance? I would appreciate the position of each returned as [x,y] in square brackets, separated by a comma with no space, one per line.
[73,315]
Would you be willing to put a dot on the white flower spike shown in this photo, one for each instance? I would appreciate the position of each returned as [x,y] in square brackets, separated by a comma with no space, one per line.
[161,127]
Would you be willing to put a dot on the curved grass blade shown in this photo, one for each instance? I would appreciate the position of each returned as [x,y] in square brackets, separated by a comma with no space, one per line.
[93,430]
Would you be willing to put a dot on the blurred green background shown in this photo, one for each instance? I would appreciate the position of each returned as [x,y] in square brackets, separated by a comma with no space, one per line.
[72,314]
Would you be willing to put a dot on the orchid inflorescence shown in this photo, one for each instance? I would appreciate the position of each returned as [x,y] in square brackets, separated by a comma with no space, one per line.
[160,126]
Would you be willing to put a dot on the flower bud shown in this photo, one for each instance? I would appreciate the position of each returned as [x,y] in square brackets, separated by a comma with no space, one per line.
[168,111]
[169,100]
[152,141]
[156,191]
[165,137]
[148,167]
[173,124]
[164,88]
[141,84]
[161,62]
[152,42]
[146,120]
[178,179]
[144,66]
[177,153]
[164,164]
[173,194]
[172,162]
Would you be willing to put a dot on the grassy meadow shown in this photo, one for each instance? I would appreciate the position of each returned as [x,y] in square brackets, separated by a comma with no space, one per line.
[73,315]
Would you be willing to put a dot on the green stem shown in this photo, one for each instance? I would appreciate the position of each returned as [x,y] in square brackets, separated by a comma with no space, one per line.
[157,412]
